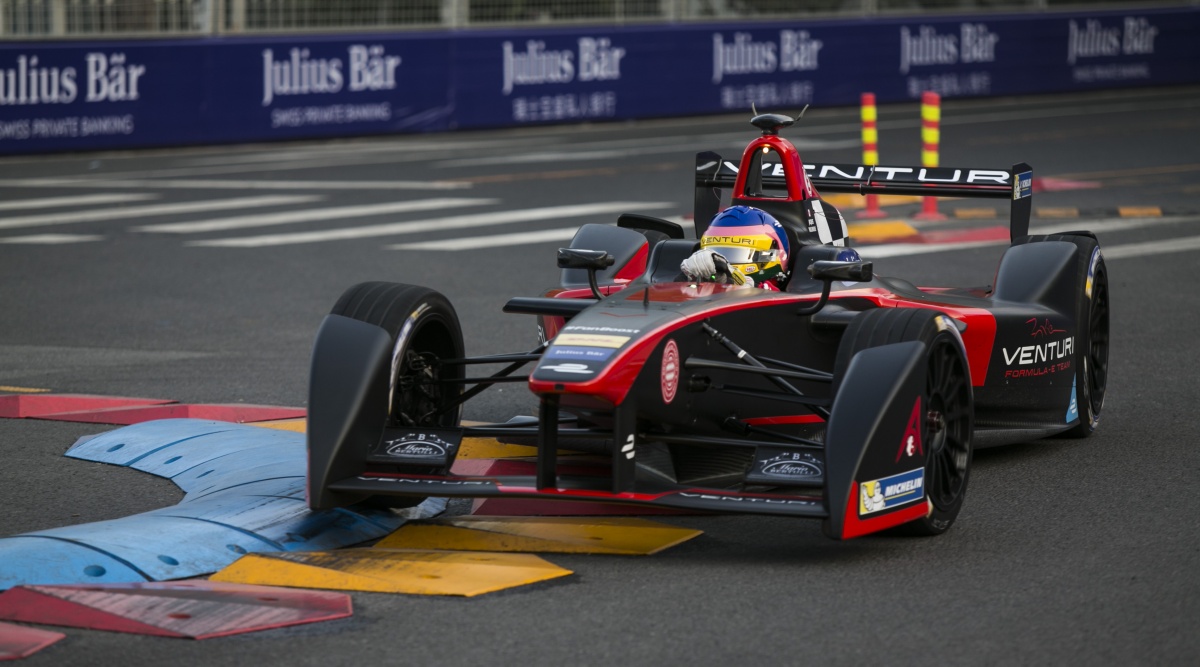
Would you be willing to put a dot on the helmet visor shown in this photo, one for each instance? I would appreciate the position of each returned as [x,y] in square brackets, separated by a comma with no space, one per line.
[745,254]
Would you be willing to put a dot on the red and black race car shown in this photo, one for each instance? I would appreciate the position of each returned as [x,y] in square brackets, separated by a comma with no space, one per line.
[844,396]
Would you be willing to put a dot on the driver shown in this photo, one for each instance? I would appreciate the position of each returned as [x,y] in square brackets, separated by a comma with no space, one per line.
[742,246]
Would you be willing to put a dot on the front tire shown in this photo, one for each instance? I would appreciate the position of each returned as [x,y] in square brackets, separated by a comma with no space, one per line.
[425,331]
[949,408]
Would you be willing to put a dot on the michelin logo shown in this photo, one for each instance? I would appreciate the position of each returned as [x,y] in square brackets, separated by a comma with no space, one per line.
[890,492]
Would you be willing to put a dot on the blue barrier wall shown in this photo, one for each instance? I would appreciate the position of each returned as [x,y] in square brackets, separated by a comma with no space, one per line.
[116,94]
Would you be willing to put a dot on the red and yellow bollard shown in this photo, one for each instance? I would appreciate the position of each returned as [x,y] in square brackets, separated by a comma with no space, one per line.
[931,120]
[870,141]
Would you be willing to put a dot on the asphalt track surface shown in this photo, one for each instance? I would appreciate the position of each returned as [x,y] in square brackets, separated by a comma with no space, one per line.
[1066,551]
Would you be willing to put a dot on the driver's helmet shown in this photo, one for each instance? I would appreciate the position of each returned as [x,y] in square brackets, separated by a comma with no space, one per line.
[751,239]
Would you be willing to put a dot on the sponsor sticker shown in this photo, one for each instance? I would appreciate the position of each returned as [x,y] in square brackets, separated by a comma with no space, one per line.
[1051,353]
[408,447]
[785,467]
[910,444]
[590,340]
[1023,185]
[746,500]
[881,494]
[670,371]
[584,353]
[602,330]
[569,368]
[792,465]
[1073,407]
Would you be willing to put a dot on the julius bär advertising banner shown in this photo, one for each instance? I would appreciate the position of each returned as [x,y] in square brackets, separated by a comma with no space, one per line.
[119,94]
[77,95]
[554,76]
[305,87]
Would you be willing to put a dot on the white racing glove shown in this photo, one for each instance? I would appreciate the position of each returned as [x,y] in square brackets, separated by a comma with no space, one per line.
[709,266]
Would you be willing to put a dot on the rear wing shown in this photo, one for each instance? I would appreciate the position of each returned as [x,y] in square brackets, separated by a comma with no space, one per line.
[714,174]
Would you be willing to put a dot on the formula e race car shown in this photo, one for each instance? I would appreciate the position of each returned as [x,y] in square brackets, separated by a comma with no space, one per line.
[843,396]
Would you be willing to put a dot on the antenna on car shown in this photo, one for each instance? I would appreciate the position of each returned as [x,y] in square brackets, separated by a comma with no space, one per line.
[770,123]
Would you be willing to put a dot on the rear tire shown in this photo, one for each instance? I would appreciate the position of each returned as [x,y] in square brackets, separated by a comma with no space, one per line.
[949,418]
[424,329]
[1091,356]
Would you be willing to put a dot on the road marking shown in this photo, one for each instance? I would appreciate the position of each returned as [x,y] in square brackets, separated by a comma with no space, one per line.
[77,200]
[1139,211]
[435,225]
[310,215]
[1151,247]
[884,230]
[8,389]
[566,233]
[215,184]
[153,209]
[974,213]
[493,241]
[1059,212]
[500,240]
[855,201]
[51,239]
[1105,225]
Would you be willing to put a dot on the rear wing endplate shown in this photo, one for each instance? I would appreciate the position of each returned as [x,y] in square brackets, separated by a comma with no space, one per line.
[714,174]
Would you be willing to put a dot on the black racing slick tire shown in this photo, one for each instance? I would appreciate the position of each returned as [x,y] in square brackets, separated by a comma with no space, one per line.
[425,330]
[1091,356]
[949,419]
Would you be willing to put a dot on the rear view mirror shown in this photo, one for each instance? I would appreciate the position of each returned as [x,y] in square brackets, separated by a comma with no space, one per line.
[592,260]
[857,271]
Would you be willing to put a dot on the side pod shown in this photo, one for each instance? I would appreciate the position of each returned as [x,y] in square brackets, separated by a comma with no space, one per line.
[873,411]
[347,404]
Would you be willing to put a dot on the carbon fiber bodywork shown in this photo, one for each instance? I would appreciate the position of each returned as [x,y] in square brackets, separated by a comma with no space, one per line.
[704,396]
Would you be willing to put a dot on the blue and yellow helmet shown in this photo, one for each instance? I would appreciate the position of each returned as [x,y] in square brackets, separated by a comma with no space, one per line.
[751,240]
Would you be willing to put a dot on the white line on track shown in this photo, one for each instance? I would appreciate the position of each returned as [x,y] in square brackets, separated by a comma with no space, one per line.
[435,225]
[77,200]
[499,240]
[310,215]
[1152,247]
[153,209]
[225,184]
[1098,226]
[51,239]
[492,241]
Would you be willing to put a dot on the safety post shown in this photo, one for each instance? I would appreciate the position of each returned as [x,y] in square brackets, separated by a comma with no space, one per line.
[870,141]
[931,120]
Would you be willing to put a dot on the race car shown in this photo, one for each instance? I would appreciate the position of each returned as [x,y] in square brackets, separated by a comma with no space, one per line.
[840,395]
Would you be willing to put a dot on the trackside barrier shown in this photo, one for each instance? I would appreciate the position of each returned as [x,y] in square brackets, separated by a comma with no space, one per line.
[86,95]
[931,120]
[870,140]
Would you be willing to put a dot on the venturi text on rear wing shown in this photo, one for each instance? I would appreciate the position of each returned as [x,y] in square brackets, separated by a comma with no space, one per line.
[714,174]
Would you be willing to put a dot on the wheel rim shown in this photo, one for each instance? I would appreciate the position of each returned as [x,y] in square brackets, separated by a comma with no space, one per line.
[947,425]
[1096,363]
[418,396]
[417,393]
